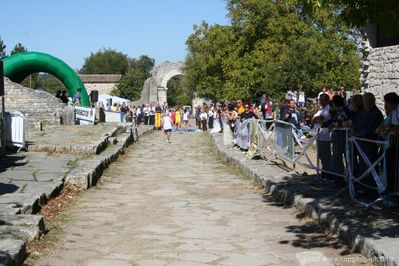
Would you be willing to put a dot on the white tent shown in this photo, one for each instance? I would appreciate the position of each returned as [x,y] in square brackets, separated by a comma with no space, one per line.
[104,98]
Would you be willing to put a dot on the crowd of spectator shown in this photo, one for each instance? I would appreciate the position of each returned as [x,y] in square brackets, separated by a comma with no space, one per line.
[355,115]
[332,116]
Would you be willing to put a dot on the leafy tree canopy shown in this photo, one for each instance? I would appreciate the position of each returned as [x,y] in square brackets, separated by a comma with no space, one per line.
[2,49]
[178,93]
[269,47]
[384,13]
[132,81]
[105,61]
[18,48]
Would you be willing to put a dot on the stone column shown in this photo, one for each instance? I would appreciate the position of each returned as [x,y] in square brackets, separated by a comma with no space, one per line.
[162,95]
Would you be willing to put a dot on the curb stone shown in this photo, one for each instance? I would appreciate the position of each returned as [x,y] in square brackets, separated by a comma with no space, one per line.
[326,216]
[90,172]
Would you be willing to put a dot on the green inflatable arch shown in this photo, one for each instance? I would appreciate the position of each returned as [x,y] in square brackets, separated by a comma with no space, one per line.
[19,66]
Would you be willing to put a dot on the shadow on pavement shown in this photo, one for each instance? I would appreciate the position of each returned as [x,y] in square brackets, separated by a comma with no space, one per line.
[7,188]
[12,160]
[369,223]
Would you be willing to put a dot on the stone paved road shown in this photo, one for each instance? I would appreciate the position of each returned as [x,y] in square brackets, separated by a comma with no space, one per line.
[176,204]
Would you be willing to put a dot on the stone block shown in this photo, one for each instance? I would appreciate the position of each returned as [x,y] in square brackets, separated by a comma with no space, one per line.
[26,233]
[23,220]
[13,249]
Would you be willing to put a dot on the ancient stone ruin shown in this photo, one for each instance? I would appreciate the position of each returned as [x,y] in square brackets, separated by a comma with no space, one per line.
[155,88]
[38,107]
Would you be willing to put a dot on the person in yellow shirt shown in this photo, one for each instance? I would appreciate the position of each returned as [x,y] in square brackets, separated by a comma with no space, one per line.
[178,118]
[240,107]
[114,108]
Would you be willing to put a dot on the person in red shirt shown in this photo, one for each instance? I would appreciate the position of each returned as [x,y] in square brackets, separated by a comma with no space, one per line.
[173,117]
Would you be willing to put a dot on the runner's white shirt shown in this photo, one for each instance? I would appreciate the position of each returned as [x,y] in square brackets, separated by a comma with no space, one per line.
[185,116]
[167,123]
[324,134]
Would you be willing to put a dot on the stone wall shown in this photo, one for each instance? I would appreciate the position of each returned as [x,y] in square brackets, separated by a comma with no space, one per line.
[36,106]
[103,83]
[102,88]
[380,71]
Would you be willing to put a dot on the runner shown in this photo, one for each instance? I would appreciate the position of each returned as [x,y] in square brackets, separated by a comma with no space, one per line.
[167,126]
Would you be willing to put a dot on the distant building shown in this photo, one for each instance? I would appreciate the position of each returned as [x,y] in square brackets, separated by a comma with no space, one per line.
[103,83]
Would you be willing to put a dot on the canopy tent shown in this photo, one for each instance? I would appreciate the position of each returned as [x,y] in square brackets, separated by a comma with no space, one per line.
[105,98]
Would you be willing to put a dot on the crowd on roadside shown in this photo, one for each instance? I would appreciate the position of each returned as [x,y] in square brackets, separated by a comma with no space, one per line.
[357,114]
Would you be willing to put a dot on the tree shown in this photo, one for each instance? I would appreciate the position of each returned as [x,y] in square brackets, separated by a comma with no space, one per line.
[106,61]
[132,81]
[384,13]
[178,94]
[2,49]
[18,48]
[269,47]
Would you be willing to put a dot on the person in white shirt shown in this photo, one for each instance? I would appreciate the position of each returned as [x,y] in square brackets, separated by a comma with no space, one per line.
[211,114]
[301,98]
[138,115]
[186,117]
[203,118]
[167,126]
[323,91]
[146,112]
[321,121]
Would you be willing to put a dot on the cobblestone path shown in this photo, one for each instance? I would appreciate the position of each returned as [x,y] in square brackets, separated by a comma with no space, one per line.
[177,204]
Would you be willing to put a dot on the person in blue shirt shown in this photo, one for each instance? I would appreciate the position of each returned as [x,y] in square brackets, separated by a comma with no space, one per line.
[77,97]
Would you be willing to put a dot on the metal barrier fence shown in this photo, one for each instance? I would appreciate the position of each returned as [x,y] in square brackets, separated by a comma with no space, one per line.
[331,153]
[264,131]
[366,166]
[282,141]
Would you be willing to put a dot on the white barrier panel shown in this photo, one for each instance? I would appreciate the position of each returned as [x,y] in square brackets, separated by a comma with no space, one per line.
[113,116]
[243,133]
[85,115]
[284,140]
[15,129]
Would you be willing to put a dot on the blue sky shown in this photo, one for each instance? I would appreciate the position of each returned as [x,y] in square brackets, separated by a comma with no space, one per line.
[72,29]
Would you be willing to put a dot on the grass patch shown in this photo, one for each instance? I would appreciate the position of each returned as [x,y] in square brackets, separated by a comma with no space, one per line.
[34,174]
[23,188]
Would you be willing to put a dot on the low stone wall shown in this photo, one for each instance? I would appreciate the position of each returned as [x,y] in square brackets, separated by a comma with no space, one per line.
[36,106]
